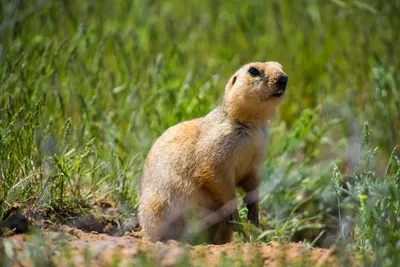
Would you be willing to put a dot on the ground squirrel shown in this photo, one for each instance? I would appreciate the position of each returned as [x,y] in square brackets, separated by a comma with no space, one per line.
[195,166]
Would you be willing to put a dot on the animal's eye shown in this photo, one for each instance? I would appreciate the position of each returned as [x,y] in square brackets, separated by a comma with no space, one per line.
[253,71]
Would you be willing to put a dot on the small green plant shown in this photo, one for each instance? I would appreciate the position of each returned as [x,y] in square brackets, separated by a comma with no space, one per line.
[372,204]
[296,195]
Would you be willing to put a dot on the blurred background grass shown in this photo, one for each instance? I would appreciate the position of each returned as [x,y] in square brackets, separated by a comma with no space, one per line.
[132,68]
[87,86]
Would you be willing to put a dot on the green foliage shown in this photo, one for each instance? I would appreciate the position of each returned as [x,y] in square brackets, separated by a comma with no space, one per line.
[87,86]
[297,189]
[373,202]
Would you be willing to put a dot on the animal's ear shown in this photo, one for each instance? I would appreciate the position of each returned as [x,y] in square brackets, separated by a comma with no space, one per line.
[231,82]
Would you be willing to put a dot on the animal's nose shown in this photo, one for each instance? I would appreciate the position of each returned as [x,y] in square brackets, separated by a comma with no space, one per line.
[282,79]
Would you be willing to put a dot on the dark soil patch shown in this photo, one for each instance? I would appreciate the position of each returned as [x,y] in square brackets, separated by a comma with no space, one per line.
[100,218]
[14,222]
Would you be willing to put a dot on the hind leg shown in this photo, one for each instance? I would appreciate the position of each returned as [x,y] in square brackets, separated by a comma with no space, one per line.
[159,221]
[172,229]
[162,229]
[250,184]
[221,232]
[218,222]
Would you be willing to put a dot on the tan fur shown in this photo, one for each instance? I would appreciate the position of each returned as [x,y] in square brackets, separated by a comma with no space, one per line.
[196,165]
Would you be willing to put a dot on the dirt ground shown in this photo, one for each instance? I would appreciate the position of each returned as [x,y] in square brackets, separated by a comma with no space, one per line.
[91,240]
[95,249]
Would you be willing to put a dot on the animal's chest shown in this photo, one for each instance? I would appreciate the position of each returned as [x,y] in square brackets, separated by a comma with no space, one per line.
[250,153]
[238,152]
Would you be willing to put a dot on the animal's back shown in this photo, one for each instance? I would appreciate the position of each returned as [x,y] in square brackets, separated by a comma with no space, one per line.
[166,186]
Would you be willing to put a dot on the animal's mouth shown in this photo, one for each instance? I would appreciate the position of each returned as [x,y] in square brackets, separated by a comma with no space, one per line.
[280,91]
[281,86]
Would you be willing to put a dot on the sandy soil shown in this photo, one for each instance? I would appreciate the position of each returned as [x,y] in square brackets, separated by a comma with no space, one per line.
[103,250]
[91,240]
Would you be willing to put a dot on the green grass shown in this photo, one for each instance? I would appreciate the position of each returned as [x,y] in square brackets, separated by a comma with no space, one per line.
[87,86]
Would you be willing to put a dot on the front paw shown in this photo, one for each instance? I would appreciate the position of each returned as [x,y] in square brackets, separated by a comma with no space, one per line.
[252,214]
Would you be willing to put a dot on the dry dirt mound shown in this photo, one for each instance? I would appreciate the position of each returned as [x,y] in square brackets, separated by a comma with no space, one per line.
[69,245]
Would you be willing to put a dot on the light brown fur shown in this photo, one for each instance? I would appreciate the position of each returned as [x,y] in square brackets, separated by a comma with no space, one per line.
[196,165]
